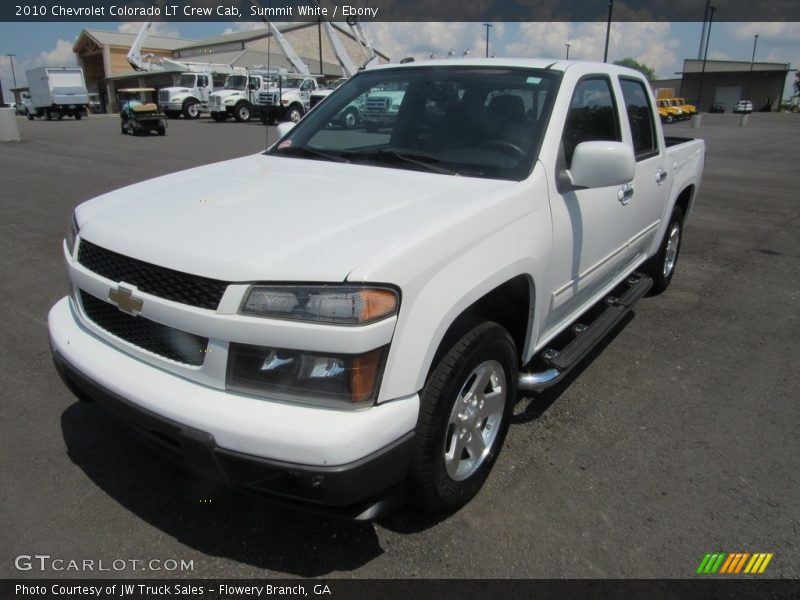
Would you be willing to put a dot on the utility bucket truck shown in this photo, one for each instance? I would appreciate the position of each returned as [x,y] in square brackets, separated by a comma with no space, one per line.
[191,94]
[239,96]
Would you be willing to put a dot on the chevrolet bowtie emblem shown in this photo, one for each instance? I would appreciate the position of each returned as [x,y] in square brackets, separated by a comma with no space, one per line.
[125,300]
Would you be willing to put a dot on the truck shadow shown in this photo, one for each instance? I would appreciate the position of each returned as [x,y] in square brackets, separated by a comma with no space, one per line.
[212,519]
[223,522]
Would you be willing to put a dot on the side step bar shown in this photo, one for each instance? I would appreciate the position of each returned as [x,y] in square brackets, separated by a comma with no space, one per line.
[586,337]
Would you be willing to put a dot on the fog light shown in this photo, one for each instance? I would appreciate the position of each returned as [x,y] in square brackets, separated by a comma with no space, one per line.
[321,379]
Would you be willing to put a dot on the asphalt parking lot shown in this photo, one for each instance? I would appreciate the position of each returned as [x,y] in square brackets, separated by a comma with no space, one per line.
[679,438]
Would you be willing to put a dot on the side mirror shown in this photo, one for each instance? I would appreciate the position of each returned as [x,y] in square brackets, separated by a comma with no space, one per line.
[601,164]
[284,128]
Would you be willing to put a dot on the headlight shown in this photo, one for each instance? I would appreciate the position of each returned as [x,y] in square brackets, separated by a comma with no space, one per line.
[322,379]
[72,234]
[231,101]
[348,305]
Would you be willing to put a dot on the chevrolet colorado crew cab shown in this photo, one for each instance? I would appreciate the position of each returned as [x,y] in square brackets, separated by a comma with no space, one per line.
[350,350]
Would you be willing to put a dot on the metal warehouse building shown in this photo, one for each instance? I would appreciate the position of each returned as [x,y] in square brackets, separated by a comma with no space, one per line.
[726,82]
[102,54]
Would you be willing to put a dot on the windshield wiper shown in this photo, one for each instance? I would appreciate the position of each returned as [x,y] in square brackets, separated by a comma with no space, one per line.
[421,160]
[311,152]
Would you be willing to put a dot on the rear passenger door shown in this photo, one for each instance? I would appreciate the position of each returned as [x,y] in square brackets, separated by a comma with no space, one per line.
[646,203]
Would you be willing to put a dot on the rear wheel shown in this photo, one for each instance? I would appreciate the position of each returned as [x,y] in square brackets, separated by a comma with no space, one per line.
[28,114]
[48,115]
[464,415]
[78,116]
[661,267]
[162,130]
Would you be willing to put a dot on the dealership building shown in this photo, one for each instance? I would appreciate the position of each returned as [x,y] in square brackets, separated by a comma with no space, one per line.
[103,55]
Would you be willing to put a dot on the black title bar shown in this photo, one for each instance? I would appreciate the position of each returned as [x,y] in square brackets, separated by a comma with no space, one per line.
[396,11]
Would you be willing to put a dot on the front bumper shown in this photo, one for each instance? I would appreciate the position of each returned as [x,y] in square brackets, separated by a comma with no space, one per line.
[345,459]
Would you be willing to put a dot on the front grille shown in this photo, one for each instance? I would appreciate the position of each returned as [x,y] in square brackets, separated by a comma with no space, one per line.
[380,105]
[268,98]
[163,340]
[163,95]
[193,290]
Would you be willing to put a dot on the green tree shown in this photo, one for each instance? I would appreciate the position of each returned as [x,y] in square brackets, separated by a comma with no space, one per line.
[648,72]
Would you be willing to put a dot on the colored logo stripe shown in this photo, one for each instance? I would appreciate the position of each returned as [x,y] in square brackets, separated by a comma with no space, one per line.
[734,563]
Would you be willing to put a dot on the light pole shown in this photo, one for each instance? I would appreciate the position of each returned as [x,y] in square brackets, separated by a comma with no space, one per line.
[703,32]
[13,75]
[568,47]
[752,60]
[705,57]
[488,27]
[608,28]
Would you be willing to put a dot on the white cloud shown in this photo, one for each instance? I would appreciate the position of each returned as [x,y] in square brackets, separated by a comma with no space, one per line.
[776,33]
[649,43]
[245,26]
[60,56]
[420,40]
[158,28]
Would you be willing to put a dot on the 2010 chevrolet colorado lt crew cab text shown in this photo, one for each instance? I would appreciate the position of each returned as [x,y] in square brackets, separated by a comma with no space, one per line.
[346,350]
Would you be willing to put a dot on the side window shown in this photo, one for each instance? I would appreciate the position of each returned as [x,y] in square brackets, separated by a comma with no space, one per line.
[592,115]
[202,81]
[640,116]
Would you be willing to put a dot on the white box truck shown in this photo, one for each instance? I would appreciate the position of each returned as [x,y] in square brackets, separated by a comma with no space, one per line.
[57,92]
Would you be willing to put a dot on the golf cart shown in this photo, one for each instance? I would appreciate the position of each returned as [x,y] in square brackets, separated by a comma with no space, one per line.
[139,111]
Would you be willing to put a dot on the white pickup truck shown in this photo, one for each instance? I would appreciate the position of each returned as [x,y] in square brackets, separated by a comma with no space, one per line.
[344,352]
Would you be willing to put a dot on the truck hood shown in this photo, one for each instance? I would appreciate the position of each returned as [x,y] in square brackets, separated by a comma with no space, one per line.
[282,219]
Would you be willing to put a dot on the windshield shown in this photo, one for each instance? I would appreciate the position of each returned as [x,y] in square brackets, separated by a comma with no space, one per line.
[236,82]
[186,80]
[292,82]
[472,121]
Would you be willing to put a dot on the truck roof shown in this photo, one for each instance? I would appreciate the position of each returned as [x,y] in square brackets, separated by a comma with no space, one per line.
[553,64]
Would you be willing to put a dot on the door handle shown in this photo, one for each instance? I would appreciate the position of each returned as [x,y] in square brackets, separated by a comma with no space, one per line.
[661,175]
[625,193]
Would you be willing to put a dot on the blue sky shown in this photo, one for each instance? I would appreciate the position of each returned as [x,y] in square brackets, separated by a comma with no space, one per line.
[661,45]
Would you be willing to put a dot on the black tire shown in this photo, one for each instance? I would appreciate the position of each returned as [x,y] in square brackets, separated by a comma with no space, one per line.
[350,118]
[191,109]
[294,113]
[28,114]
[242,112]
[162,130]
[658,267]
[122,128]
[439,483]
[219,117]
[48,115]
[78,116]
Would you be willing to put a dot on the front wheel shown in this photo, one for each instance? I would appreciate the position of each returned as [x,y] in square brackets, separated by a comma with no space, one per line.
[661,267]
[191,109]
[294,114]
[350,118]
[465,410]
[29,115]
[242,113]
